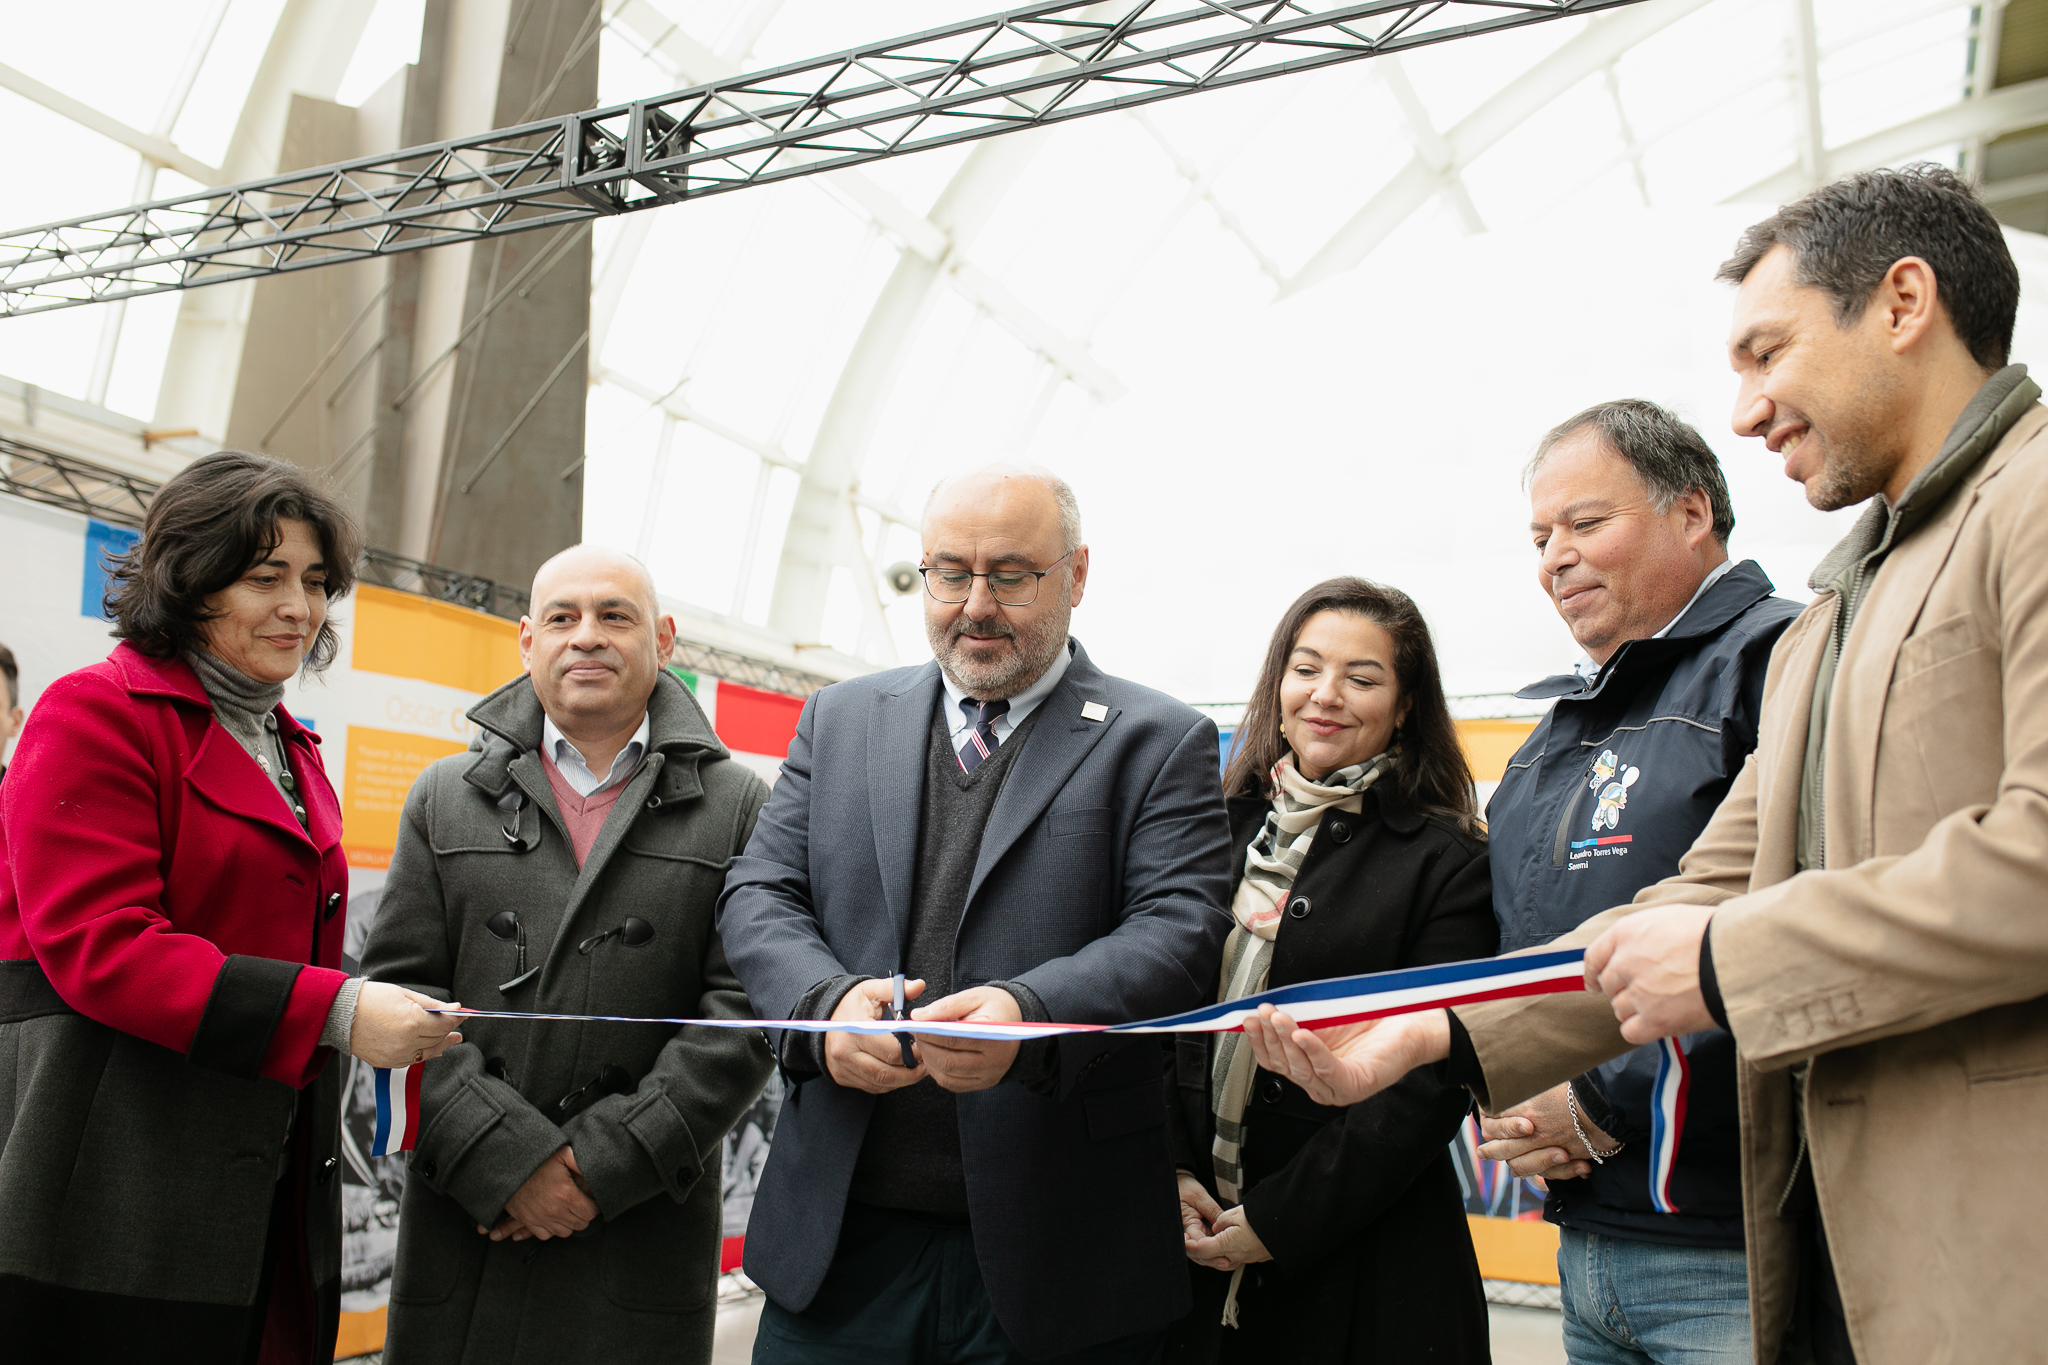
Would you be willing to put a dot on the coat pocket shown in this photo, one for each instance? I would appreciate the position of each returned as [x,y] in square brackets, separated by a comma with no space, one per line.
[688,835]
[662,1257]
[438,1247]
[2007,1045]
[1074,824]
[1942,696]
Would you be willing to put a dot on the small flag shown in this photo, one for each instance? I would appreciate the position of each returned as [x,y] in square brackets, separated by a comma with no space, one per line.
[398,1110]
[1667,1119]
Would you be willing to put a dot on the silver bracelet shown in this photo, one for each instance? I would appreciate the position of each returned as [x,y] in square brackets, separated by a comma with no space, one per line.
[1571,1102]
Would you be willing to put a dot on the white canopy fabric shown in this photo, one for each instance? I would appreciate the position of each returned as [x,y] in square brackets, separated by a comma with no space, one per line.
[1303,327]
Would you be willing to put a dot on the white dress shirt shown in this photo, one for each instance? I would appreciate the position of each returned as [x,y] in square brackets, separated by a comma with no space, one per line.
[1589,670]
[569,759]
[959,722]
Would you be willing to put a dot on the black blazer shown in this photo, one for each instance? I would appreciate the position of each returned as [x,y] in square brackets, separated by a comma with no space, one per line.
[1101,885]
[1360,1206]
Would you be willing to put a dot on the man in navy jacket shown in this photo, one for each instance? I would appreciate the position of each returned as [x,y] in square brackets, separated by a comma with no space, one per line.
[1025,838]
[1631,517]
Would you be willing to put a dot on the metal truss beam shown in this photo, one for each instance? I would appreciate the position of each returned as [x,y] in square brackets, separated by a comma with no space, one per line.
[1019,69]
[47,476]
[387,570]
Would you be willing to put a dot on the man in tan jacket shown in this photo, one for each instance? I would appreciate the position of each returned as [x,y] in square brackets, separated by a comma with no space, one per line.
[1867,912]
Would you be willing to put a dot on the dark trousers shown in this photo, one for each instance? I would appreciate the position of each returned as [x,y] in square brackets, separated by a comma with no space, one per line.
[907,1289]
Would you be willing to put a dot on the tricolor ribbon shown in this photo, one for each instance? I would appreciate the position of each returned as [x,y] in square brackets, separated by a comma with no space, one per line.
[398,1110]
[1667,1119]
[1312,1004]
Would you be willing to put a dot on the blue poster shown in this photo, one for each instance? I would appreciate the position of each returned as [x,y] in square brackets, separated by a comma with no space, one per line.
[103,543]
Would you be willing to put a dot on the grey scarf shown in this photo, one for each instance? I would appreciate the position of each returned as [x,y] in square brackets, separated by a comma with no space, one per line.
[247,709]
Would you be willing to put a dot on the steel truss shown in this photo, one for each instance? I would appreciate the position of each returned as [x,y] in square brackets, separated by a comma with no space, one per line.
[1019,69]
[387,570]
[47,476]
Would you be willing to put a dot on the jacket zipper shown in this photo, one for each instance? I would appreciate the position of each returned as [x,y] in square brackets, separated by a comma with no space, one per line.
[1561,843]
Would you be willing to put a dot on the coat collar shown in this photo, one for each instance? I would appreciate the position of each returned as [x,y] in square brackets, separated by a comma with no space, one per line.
[1983,423]
[220,768]
[512,719]
[144,676]
[1741,588]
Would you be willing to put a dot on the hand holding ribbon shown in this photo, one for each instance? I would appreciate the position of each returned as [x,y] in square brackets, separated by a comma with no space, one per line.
[862,1052]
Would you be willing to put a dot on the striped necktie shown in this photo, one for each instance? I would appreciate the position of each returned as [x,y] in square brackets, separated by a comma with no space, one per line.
[981,740]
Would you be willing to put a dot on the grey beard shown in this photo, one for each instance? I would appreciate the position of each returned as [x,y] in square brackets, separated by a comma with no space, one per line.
[1037,647]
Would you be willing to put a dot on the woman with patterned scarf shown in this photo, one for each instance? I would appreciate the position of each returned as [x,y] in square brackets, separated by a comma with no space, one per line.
[1322,1234]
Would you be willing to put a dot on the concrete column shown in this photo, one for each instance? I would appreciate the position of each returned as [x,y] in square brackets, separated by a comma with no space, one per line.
[510,475]
[447,422]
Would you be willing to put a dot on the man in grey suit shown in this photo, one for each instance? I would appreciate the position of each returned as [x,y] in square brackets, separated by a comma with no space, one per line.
[1027,839]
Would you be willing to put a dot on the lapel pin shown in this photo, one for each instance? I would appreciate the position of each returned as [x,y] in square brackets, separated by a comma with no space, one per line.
[1094,710]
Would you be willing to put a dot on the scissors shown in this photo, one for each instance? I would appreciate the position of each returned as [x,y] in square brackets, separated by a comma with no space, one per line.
[896,1012]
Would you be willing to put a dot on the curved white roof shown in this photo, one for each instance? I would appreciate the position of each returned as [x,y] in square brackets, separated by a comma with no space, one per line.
[1301,327]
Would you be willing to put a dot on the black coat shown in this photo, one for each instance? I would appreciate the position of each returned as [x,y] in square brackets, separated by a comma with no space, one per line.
[1360,1206]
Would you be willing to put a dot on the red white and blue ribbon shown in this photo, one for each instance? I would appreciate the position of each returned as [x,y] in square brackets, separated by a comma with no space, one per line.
[1667,1119]
[398,1109]
[1312,1004]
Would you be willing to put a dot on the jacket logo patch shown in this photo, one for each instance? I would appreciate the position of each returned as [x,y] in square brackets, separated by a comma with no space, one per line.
[1613,794]
[1609,782]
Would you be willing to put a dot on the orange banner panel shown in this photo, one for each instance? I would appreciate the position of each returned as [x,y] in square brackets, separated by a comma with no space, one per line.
[381,767]
[360,1334]
[1489,744]
[408,636]
[1519,1249]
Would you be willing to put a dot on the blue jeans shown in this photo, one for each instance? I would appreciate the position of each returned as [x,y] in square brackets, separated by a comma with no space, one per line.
[1643,1303]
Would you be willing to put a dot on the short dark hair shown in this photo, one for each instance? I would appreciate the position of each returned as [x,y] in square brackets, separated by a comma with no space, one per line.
[1845,236]
[214,519]
[12,672]
[1668,454]
[1430,772]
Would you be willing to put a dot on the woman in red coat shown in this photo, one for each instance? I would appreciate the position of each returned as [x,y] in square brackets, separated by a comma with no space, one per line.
[171,996]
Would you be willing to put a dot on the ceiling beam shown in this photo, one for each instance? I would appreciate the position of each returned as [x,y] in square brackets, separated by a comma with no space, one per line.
[1598,45]
[667,43]
[1807,134]
[160,151]
[1999,111]
[1429,144]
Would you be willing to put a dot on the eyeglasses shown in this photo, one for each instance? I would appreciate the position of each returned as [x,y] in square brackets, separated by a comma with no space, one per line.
[1010,587]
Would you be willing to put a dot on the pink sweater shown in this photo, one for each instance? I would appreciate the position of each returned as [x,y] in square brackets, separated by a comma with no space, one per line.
[584,815]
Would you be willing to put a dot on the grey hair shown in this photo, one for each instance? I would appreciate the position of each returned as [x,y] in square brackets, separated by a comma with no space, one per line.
[1669,456]
[1062,496]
